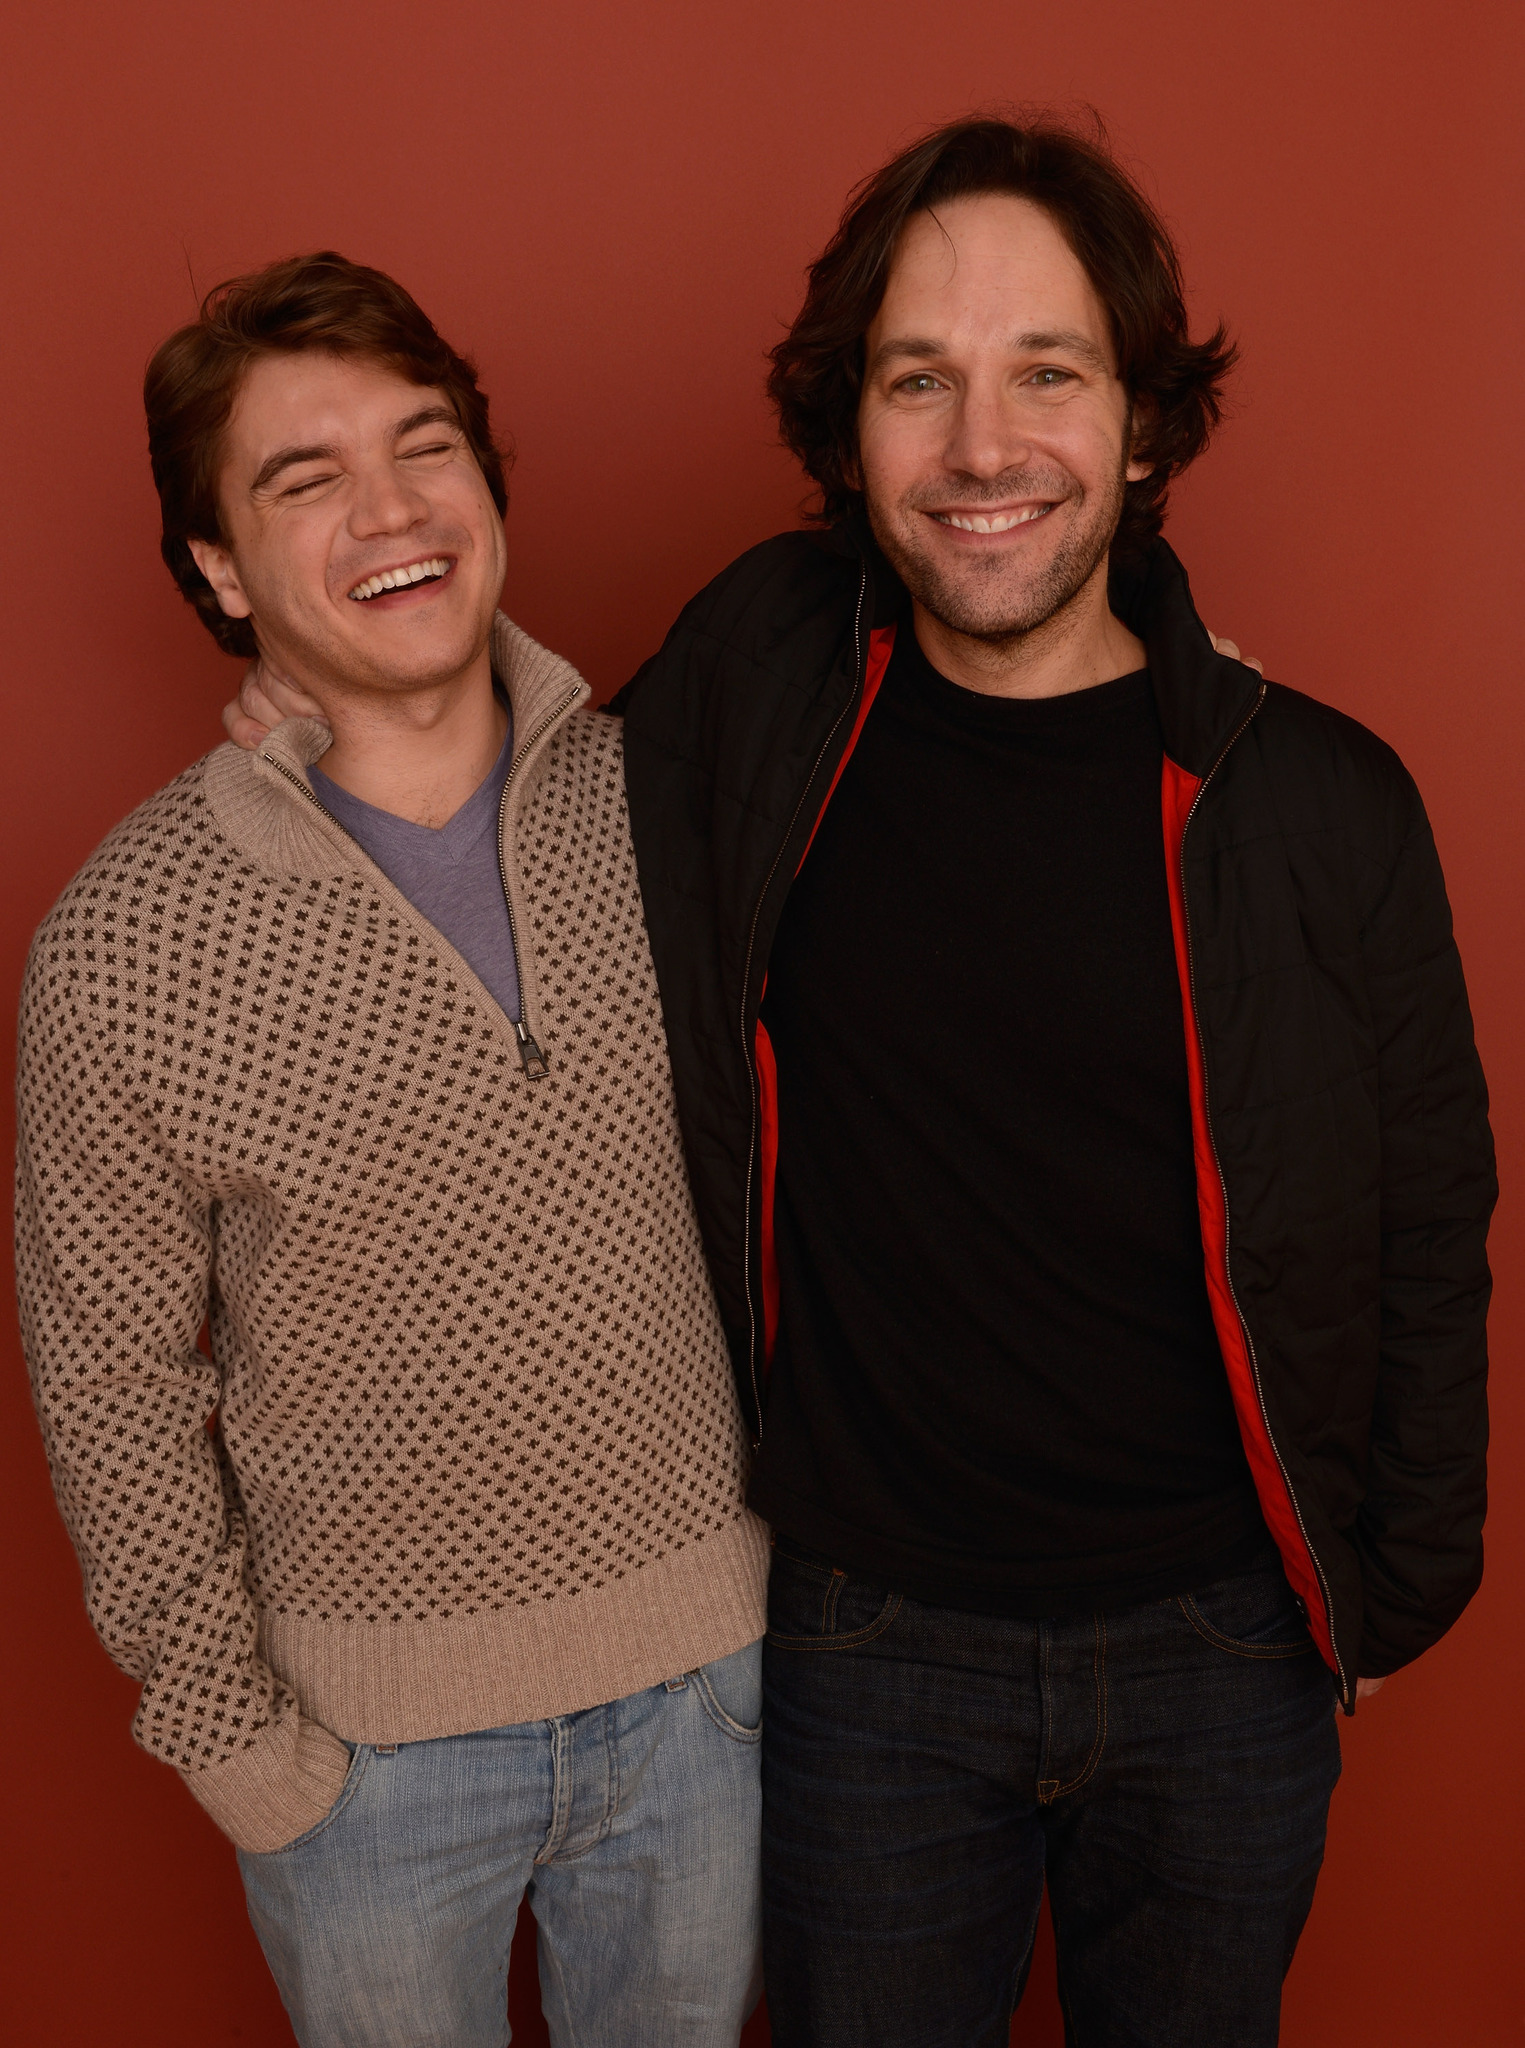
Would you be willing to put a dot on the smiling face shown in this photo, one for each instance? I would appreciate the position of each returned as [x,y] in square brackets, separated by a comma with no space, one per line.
[993,432]
[361,538]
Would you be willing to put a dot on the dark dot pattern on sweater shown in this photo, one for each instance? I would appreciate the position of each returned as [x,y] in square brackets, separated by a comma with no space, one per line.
[468,1355]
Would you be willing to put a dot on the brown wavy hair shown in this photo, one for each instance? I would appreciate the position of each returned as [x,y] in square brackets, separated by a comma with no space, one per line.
[1175,384]
[304,302]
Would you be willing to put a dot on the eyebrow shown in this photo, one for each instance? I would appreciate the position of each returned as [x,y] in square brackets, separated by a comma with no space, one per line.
[1038,341]
[324,451]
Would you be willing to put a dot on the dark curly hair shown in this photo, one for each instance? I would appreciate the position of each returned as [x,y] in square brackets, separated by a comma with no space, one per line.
[1175,383]
[303,302]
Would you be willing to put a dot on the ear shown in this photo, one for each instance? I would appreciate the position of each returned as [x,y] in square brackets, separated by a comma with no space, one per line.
[1141,421]
[216,564]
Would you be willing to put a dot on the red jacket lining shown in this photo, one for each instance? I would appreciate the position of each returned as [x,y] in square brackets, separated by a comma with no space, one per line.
[1178,791]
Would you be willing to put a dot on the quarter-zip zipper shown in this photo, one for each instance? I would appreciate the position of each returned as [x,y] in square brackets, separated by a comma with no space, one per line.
[1249,1341]
[536,1065]
[533,1060]
[311,796]
[747,1048]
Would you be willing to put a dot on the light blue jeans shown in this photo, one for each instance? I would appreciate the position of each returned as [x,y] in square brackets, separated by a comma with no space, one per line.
[634,1828]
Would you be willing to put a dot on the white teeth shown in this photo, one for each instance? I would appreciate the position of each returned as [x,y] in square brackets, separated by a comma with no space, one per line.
[399,579]
[1002,522]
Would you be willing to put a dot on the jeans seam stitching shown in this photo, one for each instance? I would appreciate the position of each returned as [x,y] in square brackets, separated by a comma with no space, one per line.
[1045,1703]
[613,1789]
[1099,1673]
[556,1834]
[727,1725]
[876,1627]
[1209,1634]
[352,1777]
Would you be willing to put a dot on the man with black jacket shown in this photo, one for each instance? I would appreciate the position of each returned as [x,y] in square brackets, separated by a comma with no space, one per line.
[1080,1097]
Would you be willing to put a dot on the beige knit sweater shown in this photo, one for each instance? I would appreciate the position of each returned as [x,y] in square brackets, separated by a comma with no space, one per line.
[467,1448]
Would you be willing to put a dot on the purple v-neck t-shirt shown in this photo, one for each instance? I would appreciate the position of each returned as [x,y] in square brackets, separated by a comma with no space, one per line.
[449,874]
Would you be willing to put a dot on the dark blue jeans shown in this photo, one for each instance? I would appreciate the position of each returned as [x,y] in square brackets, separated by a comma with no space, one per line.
[1166,1768]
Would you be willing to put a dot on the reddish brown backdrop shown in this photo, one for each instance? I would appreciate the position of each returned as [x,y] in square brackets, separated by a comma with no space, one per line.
[611,205]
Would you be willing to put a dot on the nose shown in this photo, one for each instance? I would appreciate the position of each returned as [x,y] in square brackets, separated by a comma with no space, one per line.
[386,501]
[987,434]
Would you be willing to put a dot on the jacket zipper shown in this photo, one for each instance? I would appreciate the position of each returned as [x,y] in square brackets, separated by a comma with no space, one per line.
[1191,976]
[533,1060]
[748,1050]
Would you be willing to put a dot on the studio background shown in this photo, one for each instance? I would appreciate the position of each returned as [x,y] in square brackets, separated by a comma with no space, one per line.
[611,207]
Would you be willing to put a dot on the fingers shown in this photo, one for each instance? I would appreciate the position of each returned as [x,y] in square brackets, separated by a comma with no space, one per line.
[248,719]
[268,697]
[288,700]
[264,699]
[252,700]
[1231,649]
[243,732]
[1368,1688]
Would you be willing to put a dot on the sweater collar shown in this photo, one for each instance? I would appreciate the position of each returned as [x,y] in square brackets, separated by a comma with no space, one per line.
[265,801]
[538,684]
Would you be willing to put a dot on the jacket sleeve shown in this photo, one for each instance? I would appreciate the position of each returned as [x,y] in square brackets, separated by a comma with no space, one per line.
[1419,1532]
[115,1244]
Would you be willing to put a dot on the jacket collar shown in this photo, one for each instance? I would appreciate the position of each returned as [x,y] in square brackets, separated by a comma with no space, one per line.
[1203,697]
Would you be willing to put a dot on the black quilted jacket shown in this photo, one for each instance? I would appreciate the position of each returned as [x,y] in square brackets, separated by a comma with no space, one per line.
[1345,1166]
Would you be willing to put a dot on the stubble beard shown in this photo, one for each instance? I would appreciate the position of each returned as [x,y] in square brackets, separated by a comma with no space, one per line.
[987,603]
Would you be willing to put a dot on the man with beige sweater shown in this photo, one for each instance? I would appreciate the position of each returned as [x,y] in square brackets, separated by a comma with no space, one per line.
[436,1572]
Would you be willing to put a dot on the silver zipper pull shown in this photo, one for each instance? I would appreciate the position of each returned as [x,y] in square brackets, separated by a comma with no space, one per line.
[536,1065]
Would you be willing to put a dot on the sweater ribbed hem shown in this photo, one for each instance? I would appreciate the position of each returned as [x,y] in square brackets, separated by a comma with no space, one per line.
[413,1680]
[278,1788]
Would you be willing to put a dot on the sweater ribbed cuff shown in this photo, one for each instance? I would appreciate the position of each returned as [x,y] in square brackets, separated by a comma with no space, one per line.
[278,1788]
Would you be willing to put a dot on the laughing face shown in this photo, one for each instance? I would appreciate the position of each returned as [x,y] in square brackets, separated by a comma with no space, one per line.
[993,432]
[361,538]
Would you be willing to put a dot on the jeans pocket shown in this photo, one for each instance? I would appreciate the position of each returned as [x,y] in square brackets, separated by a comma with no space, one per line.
[1254,1614]
[360,1755]
[730,1691]
[813,1605]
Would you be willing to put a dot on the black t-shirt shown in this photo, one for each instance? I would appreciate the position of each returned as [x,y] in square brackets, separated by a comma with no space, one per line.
[996,1383]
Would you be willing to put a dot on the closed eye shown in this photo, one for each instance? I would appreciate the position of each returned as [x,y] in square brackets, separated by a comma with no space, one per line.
[308,483]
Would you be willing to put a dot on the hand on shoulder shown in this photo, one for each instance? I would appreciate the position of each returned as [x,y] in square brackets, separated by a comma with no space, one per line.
[264,699]
[1220,646]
